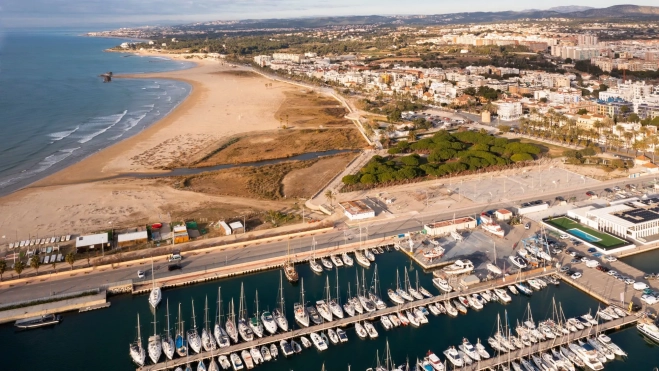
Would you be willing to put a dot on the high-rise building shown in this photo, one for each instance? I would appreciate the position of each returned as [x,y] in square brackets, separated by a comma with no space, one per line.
[586,39]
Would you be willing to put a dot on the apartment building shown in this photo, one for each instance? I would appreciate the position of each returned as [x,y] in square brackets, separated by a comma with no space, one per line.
[509,110]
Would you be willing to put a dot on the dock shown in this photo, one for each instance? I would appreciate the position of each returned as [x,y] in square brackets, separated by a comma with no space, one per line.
[95,307]
[276,338]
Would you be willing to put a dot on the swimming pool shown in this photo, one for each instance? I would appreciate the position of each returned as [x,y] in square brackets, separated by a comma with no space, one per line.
[583,235]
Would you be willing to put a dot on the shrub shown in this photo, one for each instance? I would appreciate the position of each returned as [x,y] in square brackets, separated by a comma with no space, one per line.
[368,179]
[350,179]
[521,157]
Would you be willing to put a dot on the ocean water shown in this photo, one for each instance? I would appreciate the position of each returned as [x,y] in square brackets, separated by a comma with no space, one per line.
[55,108]
[101,338]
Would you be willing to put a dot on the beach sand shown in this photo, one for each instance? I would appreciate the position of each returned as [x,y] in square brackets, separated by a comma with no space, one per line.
[90,195]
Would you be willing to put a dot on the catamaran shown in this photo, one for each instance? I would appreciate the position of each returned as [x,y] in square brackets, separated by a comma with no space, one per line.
[230,324]
[279,314]
[154,345]
[194,341]
[301,315]
[289,267]
[220,334]
[168,346]
[207,339]
[322,306]
[243,328]
[180,342]
[334,305]
[156,294]
[255,322]
[136,350]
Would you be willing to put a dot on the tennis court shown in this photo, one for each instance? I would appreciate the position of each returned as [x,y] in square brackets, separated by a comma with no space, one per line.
[582,232]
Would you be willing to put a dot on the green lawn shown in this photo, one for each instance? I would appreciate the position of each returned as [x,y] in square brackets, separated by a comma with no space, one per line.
[606,241]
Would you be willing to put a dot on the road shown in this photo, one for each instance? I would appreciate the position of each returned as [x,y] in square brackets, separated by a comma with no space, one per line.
[370,230]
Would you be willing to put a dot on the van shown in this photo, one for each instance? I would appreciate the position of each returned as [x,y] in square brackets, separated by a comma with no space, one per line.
[527,226]
[175,256]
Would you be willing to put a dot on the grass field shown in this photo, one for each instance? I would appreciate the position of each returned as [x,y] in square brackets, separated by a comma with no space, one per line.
[606,241]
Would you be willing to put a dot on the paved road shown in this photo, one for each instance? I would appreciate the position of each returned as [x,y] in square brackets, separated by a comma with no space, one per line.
[376,229]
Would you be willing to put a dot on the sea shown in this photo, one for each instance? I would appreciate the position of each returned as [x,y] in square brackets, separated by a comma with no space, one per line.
[55,108]
[100,339]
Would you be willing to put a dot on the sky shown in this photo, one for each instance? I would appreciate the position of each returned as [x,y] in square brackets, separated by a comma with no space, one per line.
[118,13]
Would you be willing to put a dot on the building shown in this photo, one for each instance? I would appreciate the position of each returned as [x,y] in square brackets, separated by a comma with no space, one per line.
[531,207]
[181,234]
[225,227]
[92,241]
[132,238]
[503,214]
[237,227]
[447,226]
[586,40]
[509,110]
[295,58]
[357,210]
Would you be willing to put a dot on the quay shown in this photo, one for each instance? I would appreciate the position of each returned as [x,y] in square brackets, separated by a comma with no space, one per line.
[276,338]
[53,304]
[552,343]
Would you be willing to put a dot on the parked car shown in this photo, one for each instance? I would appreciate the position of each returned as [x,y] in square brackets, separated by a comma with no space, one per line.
[527,226]
[560,198]
[610,258]
[140,274]
[640,286]
[576,275]
[564,236]
[611,272]
[572,252]
[173,267]
[564,269]
[590,193]
[629,281]
[584,260]
[608,190]
[592,250]
[592,263]
[649,299]
[616,188]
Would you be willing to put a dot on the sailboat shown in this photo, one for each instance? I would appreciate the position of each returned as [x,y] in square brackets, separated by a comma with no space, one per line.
[154,346]
[156,294]
[220,334]
[334,305]
[179,341]
[194,341]
[279,313]
[420,289]
[136,350]
[289,267]
[402,293]
[255,322]
[348,306]
[243,328]
[207,339]
[374,294]
[322,306]
[364,300]
[168,343]
[230,324]
[355,300]
[313,264]
[408,286]
[301,315]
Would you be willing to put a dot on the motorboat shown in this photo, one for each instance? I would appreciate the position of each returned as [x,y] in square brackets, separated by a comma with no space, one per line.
[434,361]
[442,284]
[306,343]
[347,260]
[247,358]
[386,323]
[420,316]
[224,362]
[257,357]
[459,267]
[297,349]
[454,357]
[493,268]
[269,322]
[588,355]
[450,309]
[362,260]
[403,318]
[433,309]
[562,360]
[459,306]
[523,289]
[572,357]
[434,253]
[273,351]
[412,318]
[236,362]
[361,332]
[394,320]
[343,337]
[334,338]
[518,261]
[494,229]
[606,341]
[502,295]
[314,315]
[285,348]
[265,353]
[469,350]
[318,342]
[608,353]
[482,352]
[513,289]
[327,264]
[370,329]
[336,260]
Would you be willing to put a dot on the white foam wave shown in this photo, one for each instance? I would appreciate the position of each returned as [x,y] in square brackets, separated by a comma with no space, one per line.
[43,165]
[116,118]
[62,134]
[129,124]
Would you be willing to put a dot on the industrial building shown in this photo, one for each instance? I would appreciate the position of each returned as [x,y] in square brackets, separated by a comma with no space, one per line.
[445,227]
[357,210]
[92,241]
[132,238]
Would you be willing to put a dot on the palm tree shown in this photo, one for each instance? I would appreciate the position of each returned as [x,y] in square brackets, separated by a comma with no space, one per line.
[18,268]
[628,139]
[3,268]
[330,196]
[35,263]
[71,258]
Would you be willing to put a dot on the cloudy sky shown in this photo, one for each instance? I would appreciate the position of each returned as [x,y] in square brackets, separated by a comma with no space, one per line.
[97,13]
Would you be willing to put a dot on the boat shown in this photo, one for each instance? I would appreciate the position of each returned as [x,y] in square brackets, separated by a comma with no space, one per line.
[255,322]
[155,296]
[207,339]
[370,329]
[279,314]
[588,356]
[413,291]
[168,346]
[347,260]
[194,342]
[518,261]
[402,318]
[374,293]
[608,353]
[590,319]
[289,267]
[268,322]
[221,336]
[306,343]
[469,350]
[386,323]
[230,324]
[39,321]
[179,341]
[327,264]
[314,316]
[286,348]
[461,308]
[224,362]
[343,337]
[481,350]
[434,361]
[502,295]
[301,315]
[318,342]
[334,304]
[336,260]
[236,362]
[362,260]
[494,229]
[257,357]
[454,357]
[369,255]
[450,309]
[606,341]
[412,318]
[273,351]
[572,357]
[361,331]
[334,338]
[402,293]
[474,303]
[349,306]
[313,264]
[247,358]
[364,298]
[434,253]
[243,324]
[523,289]
[493,268]
[323,306]
[425,292]
[513,290]
[534,285]
[459,267]
[212,365]
[154,345]
[297,349]
[433,309]
[562,360]
[136,350]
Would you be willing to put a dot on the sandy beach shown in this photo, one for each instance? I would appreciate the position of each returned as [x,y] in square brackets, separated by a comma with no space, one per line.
[91,195]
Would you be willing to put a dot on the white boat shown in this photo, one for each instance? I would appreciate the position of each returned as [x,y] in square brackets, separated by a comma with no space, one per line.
[481,350]
[236,362]
[301,315]
[207,339]
[306,343]
[336,260]
[257,357]
[402,318]
[361,331]
[347,260]
[323,307]
[459,267]
[224,362]
[297,349]
[343,337]
[370,329]
[279,314]
[513,290]
[334,338]
[493,268]
[494,229]
[502,295]
[136,350]
[362,260]
[518,261]
[313,264]
[433,309]
[230,324]
[327,264]
[386,323]
[318,342]
[395,297]
[588,355]
[414,291]
[606,341]
[155,296]
[273,351]
[269,322]
[247,358]
[265,353]
[412,318]
[194,342]
[334,305]
[244,329]
[394,320]
[221,336]
[369,255]
[349,306]
[179,340]
[434,361]
[450,309]
[454,357]
[420,316]
[154,346]
[469,350]
[434,253]
[601,348]
[286,348]
[168,346]
[425,292]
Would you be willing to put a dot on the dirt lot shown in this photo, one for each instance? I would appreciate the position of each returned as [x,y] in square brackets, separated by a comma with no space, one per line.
[305,182]
[305,109]
[281,144]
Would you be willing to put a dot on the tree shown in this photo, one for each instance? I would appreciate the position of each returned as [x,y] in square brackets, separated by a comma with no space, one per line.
[18,268]
[35,263]
[624,109]
[70,258]
[3,268]
[582,111]
[330,196]
[504,128]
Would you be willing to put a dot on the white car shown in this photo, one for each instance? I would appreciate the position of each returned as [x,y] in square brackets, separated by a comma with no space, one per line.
[610,258]
[564,236]
[577,275]
[592,263]
[629,281]
[611,272]
[584,260]
[649,299]
[140,274]
[616,188]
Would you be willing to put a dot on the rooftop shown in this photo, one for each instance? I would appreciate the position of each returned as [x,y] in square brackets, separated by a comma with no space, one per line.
[356,207]
[92,239]
[444,223]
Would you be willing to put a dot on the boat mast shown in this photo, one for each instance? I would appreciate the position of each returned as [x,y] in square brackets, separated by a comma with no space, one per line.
[281,295]
[168,333]
[363,283]
[397,280]
[206,314]
[327,288]
[256,315]
[219,306]
[154,323]
[180,320]
[302,293]
[242,298]
[338,298]
[139,335]
[357,278]
[194,320]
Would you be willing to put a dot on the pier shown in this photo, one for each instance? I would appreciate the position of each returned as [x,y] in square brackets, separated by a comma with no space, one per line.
[276,338]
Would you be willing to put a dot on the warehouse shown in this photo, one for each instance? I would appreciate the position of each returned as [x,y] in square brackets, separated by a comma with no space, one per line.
[447,226]
[92,241]
[132,238]
[357,210]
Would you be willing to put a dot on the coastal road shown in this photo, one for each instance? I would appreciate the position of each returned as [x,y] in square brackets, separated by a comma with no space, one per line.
[378,229]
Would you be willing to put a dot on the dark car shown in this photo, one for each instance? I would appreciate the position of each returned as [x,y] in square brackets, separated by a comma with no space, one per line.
[599,268]
[604,269]
[592,250]
[608,190]
[560,198]
[575,261]
[173,267]
[590,193]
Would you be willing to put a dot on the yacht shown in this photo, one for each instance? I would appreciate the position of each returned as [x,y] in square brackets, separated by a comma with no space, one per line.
[369,255]
[179,341]
[318,342]
[362,260]
[601,348]
[269,322]
[347,260]
[221,336]
[513,290]
[343,337]
[286,348]
[313,264]
[230,324]
[265,353]
[482,352]
[469,350]
[155,296]
[434,253]
[454,357]
[334,338]
[324,310]
[136,350]
[256,355]
[336,260]
[588,355]
[459,267]
[255,322]
[244,329]
[207,339]
[361,332]
[301,315]
[314,315]
[224,362]
[194,342]
[502,295]
[154,346]
[236,362]
[168,346]
[518,261]
[606,341]
[434,361]
[279,313]
[649,329]
[273,351]
[450,309]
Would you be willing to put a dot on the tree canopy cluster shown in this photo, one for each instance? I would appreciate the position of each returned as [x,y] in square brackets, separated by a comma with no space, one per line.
[444,154]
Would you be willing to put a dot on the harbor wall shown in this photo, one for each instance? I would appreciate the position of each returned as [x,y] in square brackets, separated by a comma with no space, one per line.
[60,306]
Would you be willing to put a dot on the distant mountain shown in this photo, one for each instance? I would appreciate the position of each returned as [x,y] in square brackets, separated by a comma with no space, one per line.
[569,8]
[618,11]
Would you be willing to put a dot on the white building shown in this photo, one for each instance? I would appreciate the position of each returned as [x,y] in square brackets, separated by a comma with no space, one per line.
[509,110]
[92,241]
[447,226]
[357,210]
